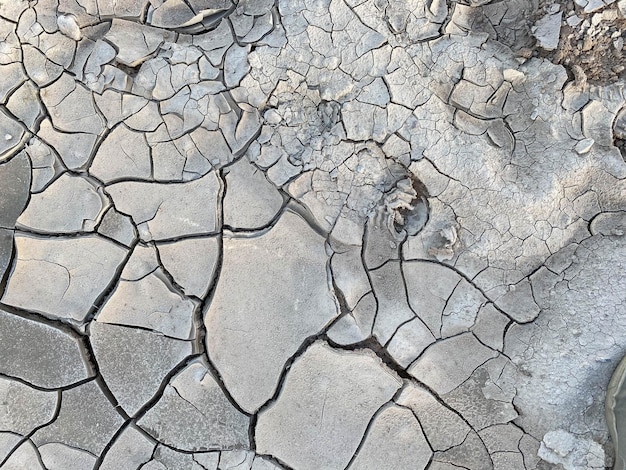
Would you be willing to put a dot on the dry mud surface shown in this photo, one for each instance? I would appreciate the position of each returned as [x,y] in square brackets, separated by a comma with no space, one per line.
[310,234]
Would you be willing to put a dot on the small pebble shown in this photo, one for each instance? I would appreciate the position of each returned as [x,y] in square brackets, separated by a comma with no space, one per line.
[574,20]
[584,146]
[596,19]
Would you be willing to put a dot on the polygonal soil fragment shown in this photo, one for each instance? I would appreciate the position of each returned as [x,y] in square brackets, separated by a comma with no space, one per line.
[327,401]
[46,165]
[39,68]
[118,227]
[74,148]
[165,458]
[149,303]
[461,309]
[192,263]
[71,107]
[518,302]
[429,286]
[40,354]
[11,133]
[409,341]
[166,211]
[395,440]
[251,201]
[443,427]
[134,362]
[503,442]
[357,325]
[349,275]
[145,298]
[194,414]
[24,408]
[71,274]
[24,104]
[57,456]
[26,456]
[486,397]
[8,442]
[272,294]
[123,154]
[15,179]
[87,420]
[70,204]
[13,78]
[471,454]
[490,326]
[449,362]
[393,308]
[135,42]
[131,449]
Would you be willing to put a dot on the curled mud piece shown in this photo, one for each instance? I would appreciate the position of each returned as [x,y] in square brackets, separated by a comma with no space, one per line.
[619,132]
[407,208]
[616,413]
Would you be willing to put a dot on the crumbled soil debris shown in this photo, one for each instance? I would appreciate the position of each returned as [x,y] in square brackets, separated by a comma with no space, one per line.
[619,131]
[589,42]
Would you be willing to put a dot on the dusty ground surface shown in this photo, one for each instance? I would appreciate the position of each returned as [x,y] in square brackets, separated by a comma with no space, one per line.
[311,234]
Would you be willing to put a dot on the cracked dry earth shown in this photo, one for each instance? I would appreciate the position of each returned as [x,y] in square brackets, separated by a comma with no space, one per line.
[306,234]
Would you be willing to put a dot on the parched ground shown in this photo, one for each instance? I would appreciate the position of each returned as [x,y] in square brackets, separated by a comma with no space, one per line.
[310,234]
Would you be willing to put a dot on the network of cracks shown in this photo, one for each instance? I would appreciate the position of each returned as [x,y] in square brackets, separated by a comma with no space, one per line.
[308,234]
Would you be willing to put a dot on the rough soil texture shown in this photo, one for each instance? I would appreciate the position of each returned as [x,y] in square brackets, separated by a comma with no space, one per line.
[310,234]
[591,44]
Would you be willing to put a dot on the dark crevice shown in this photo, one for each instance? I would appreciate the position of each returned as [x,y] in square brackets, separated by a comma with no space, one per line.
[445,306]
[472,283]
[289,363]
[276,461]
[106,391]
[164,383]
[200,344]
[408,408]
[304,212]
[201,330]
[43,235]
[149,330]
[369,279]
[68,326]
[253,232]
[131,71]
[44,389]
[10,268]
[107,293]
[619,131]
[220,381]
[110,444]
[137,179]
[373,345]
